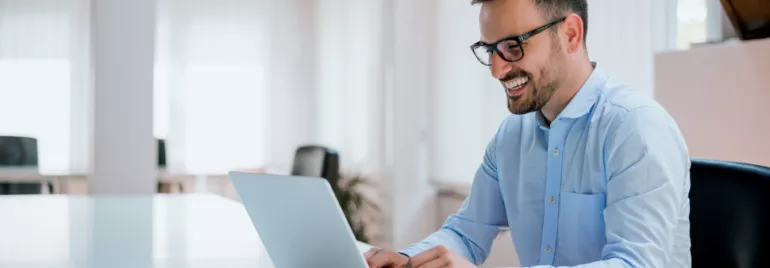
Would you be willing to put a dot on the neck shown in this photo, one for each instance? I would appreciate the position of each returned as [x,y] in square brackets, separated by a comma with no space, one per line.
[576,78]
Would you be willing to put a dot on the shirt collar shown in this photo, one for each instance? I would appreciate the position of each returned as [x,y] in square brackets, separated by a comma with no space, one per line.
[583,101]
[540,119]
[587,96]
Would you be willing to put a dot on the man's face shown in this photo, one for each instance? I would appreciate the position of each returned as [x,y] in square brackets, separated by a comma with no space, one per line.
[530,82]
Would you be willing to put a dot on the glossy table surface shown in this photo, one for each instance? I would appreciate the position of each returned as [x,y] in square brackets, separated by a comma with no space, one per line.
[198,230]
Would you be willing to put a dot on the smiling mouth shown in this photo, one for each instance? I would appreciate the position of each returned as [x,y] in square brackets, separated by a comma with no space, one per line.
[515,87]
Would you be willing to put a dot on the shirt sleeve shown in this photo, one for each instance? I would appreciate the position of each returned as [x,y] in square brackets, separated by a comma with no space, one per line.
[471,231]
[647,168]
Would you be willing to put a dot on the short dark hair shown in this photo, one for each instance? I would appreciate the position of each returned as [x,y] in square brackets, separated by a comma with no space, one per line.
[554,9]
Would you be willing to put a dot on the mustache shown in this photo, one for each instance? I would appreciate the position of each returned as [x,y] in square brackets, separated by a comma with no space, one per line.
[514,74]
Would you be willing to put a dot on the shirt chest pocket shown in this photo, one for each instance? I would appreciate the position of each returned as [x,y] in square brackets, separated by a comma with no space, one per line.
[581,235]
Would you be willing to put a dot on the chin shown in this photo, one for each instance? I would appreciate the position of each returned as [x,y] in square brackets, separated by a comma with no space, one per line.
[519,106]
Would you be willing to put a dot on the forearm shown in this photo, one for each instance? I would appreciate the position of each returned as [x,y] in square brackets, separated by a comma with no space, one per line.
[453,235]
[444,236]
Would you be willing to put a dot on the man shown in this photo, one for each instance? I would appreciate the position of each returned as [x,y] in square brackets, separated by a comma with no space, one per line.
[584,172]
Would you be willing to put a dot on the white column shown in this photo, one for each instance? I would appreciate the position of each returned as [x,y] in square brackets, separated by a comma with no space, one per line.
[80,101]
[124,150]
[623,42]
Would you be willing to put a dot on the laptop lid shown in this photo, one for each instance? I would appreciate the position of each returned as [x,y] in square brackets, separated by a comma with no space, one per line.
[298,220]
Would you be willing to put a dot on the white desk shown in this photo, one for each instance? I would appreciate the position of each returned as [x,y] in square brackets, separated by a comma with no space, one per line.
[175,231]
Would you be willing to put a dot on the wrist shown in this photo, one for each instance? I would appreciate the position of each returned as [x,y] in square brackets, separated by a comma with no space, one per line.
[408,260]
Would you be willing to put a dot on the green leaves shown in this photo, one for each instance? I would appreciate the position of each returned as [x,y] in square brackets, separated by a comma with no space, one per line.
[357,208]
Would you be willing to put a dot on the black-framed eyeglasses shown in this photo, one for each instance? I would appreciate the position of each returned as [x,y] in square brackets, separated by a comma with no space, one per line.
[510,48]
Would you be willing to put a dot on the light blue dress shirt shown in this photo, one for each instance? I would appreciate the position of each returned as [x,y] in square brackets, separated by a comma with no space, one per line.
[606,185]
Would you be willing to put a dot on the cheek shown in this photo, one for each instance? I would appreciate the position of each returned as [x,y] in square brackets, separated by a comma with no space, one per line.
[543,70]
[532,65]
[537,59]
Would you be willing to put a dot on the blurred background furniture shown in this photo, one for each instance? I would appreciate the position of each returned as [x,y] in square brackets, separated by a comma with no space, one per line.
[729,216]
[750,18]
[166,186]
[316,161]
[20,152]
[161,153]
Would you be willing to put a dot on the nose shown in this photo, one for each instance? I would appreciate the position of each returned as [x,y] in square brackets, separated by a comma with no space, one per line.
[499,67]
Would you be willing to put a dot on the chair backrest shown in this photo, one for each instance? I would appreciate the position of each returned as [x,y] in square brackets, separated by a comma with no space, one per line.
[161,153]
[730,214]
[18,151]
[316,161]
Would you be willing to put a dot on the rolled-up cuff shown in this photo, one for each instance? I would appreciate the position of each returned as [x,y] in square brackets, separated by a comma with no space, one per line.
[411,251]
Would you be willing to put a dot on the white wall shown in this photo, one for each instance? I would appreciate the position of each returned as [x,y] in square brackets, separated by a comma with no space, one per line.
[718,95]
[409,74]
[623,36]
[373,76]
[291,79]
[349,71]
[468,103]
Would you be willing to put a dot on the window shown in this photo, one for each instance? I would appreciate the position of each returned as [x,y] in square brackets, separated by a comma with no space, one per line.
[210,86]
[691,22]
[39,76]
[38,108]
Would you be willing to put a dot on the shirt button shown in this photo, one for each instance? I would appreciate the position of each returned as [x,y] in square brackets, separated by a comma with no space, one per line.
[552,200]
[548,249]
[555,152]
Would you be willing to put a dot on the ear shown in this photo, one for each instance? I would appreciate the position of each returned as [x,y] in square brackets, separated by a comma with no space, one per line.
[573,25]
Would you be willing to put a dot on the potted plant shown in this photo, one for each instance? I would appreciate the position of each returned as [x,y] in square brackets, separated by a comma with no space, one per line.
[360,211]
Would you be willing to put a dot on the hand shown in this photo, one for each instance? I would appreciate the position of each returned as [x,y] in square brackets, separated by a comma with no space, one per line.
[439,257]
[382,258]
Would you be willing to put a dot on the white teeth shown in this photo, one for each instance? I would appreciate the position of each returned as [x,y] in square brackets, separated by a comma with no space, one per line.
[516,82]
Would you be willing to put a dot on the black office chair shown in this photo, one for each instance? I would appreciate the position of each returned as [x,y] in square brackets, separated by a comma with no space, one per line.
[730,214]
[161,153]
[161,163]
[317,161]
[20,152]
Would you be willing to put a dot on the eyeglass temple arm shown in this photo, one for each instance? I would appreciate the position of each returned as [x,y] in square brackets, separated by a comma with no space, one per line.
[539,30]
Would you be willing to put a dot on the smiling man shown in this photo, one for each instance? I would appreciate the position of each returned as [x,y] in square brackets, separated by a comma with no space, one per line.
[585,171]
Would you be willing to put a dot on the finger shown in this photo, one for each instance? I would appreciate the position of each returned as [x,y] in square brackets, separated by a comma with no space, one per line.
[429,255]
[370,253]
[380,259]
[436,263]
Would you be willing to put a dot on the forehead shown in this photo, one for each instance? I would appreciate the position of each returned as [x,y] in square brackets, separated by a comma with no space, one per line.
[499,19]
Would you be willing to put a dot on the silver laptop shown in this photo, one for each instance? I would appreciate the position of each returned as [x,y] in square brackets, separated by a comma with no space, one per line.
[298,220]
